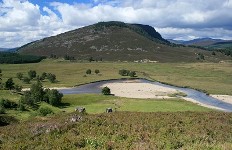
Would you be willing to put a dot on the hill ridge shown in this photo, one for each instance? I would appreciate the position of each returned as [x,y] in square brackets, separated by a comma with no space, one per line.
[113,41]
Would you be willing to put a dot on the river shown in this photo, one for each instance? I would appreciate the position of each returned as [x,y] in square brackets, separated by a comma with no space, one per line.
[191,93]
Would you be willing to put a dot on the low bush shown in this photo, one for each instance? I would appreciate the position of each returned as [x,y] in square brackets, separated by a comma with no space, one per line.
[5,103]
[124,72]
[97,71]
[44,111]
[88,71]
[2,110]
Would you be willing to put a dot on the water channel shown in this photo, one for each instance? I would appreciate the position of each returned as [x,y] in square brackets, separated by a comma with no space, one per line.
[191,93]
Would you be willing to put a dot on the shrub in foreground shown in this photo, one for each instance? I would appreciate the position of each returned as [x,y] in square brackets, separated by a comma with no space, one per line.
[53,97]
[5,103]
[44,111]
[2,110]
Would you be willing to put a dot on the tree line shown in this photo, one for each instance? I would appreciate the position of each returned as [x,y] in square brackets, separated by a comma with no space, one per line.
[33,75]
[16,58]
[125,72]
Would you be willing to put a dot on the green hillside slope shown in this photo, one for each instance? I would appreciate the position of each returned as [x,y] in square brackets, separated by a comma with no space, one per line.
[114,41]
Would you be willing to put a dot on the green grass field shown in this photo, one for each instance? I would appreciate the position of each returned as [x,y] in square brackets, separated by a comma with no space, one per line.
[214,78]
[136,124]
[97,103]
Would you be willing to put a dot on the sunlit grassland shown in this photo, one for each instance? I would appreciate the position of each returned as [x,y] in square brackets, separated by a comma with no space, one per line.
[214,78]
[136,124]
[97,103]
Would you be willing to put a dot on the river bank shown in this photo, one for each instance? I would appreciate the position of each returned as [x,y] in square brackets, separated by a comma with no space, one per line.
[224,98]
[146,89]
[134,89]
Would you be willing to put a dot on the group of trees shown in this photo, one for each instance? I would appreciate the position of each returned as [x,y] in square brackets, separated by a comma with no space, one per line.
[53,56]
[89,71]
[91,59]
[67,57]
[124,72]
[37,94]
[15,58]
[10,85]
[33,75]
[200,56]
[227,52]
[32,98]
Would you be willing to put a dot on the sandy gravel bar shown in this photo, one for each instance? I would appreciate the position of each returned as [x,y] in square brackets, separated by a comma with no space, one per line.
[147,90]
[140,90]
[224,98]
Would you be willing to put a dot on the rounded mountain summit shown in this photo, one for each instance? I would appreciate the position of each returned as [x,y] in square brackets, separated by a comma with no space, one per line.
[114,41]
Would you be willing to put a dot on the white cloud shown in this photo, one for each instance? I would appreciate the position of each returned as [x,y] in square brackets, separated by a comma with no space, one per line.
[22,21]
[189,34]
[17,14]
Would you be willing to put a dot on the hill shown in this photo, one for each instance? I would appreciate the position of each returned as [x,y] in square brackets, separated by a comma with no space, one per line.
[221,45]
[4,49]
[8,49]
[114,41]
[204,42]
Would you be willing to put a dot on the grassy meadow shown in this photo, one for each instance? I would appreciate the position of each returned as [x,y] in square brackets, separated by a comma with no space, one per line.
[135,124]
[97,103]
[214,78]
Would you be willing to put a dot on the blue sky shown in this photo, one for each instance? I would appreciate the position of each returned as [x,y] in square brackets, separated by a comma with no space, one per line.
[23,21]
